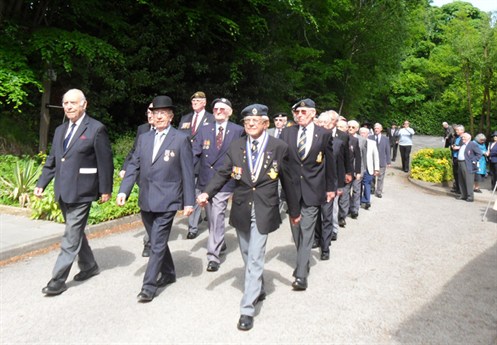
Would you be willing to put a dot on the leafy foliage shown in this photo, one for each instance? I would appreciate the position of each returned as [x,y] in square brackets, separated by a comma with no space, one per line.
[19,184]
[432,165]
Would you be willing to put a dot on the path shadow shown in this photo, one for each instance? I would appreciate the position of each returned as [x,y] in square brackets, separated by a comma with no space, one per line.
[288,255]
[465,312]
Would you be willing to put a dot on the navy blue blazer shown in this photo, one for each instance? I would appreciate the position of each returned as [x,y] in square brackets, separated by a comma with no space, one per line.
[208,157]
[85,171]
[309,176]
[167,182]
[262,194]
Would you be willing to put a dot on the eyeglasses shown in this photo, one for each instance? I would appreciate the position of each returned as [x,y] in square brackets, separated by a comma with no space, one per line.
[301,111]
[353,127]
[218,109]
[255,121]
[162,112]
[279,120]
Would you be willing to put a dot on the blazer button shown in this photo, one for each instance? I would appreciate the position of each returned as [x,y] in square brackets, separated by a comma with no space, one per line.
[250,204]
[253,188]
[212,167]
[63,160]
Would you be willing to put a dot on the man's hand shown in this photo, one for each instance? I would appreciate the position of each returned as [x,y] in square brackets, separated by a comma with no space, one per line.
[358,177]
[188,210]
[296,220]
[122,173]
[330,196]
[376,173]
[38,192]
[203,199]
[105,198]
[121,199]
[348,178]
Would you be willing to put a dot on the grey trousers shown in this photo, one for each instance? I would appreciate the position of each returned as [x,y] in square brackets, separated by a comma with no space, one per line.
[216,211]
[466,180]
[344,202]
[379,181]
[194,218]
[74,242]
[303,236]
[253,249]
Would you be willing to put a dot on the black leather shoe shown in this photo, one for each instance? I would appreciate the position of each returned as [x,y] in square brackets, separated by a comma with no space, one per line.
[469,199]
[165,280]
[461,198]
[315,244]
[300,284]
[325,256]
[334,236]
[145,296]
[223,248]
[53,290]
[146,251]
[261,297]
[213,266]
[191,235]
[341,222]
[245,323]
[83,275]
[378,196]
[367,206]
[354,215]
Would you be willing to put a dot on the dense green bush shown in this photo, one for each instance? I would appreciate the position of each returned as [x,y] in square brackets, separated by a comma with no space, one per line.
[432,165]
[122,145]
[47,207]
[21,182]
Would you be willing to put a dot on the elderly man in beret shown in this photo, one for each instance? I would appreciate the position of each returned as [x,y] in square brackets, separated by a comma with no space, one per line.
[190,125]
[162,164]
[256,163]
[280,120]
[209,152]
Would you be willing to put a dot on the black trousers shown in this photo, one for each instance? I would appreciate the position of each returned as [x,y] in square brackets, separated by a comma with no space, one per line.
[405,152]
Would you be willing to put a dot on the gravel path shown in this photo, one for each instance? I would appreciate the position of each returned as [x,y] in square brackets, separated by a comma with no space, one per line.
[417,268]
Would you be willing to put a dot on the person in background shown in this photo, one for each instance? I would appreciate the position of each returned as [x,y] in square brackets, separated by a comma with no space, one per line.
[144,128]
[468,157]
[393,136]
[371,164]
[383,146]
[210,149]
[81,161]
[190,125]
[480,140]
[492,158]
[454,148]
[280,121]
[448,134]
[405,144]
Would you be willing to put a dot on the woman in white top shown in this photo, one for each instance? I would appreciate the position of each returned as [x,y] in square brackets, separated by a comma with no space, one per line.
[405,144]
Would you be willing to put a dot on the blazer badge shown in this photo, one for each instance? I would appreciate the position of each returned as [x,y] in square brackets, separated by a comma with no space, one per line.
[168,154]
[272,174]
[207,144]
[319,159]
[236,173]
[185,125]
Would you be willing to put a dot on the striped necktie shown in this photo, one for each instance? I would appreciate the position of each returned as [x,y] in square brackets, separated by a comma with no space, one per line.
[301,144]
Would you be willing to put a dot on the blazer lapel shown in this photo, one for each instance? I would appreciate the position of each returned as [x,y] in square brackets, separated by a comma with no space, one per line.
[165,144]
[78,134]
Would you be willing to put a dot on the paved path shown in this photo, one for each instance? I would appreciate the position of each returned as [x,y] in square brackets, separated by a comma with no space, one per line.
[418,268]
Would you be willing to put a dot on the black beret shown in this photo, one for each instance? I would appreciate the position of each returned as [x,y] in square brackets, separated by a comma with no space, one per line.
[221,100]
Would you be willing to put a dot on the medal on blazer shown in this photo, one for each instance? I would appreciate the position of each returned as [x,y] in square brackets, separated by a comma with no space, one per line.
[319,159]
[168,154]
[236,173]
[185,125]
[207,144]
[272,174]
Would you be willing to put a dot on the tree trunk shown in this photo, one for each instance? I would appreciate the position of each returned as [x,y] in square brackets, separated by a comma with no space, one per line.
[45,115]
[468,94]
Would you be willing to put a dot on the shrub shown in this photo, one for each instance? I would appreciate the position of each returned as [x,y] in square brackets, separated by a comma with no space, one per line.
[121,148]
[432,165]
[46,208]
[19,184]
